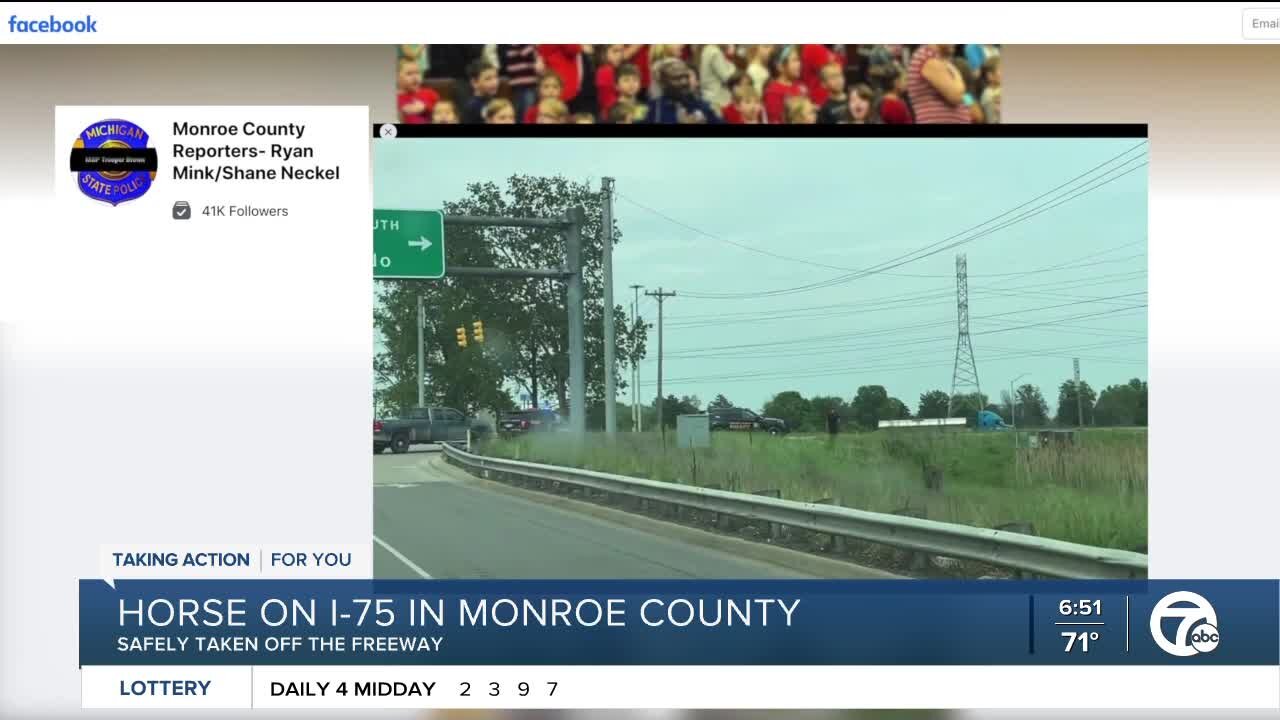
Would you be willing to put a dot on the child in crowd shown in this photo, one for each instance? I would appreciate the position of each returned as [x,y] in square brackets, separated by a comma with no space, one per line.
[566,61]
[623,113]
[445,113]
[759,58]
[832,79]
[520,65]
[860,105]
[800,110]
[417,53]
[500,111]
[739,84]
[626,87]
[413,101]
[549,86]
[785,84]
[584,119]
[716,73]
[552,111]
[990,82]
[484,88]
[746,108]
[813,58]
[891,80]
[609,63]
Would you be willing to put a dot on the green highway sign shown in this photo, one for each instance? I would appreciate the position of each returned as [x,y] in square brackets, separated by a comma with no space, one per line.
[408,244]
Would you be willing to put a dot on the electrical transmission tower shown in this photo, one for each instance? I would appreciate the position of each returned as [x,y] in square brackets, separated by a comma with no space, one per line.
[965,374]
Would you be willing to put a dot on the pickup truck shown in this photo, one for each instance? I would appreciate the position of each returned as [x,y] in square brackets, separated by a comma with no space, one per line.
[423,425]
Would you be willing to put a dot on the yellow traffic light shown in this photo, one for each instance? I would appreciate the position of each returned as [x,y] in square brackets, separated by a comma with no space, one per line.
[462,337]
[477,330]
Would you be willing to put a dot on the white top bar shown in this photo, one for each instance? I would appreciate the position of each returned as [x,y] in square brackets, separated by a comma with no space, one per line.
[392,23]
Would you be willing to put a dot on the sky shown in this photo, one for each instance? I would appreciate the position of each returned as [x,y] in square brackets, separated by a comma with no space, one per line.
[1054,231]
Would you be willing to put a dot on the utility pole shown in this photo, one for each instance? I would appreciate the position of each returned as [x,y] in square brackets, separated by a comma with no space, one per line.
[1013,417]
[422,380]
[661,296]
[575,217]
[610,389]
[965,373]
[635,365]
[1079,394]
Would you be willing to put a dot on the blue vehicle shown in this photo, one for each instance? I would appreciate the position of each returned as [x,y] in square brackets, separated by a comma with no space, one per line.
[988,420]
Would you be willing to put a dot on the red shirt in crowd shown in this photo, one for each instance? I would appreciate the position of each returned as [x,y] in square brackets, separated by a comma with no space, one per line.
[530,115]
[894,111]
[928,103]
[565,61]
[812,60]
[606,90]
[641,61]
[426,96]
[733,115]
[775,99]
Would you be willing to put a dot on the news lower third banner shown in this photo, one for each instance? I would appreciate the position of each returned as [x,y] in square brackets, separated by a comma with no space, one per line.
[686,623]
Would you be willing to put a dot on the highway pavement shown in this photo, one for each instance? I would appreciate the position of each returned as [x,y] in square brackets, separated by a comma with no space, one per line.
[434,520]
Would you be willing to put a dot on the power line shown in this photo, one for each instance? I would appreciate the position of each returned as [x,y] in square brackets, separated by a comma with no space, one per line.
[891,302]
[828,370]
[844,335]
[847,346]
[938,246]
[848,278]
[812,263]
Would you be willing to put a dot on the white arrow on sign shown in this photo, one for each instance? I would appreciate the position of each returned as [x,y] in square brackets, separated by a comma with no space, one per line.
[421,242]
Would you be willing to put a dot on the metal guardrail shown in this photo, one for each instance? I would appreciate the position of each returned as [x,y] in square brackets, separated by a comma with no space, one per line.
[1036,555]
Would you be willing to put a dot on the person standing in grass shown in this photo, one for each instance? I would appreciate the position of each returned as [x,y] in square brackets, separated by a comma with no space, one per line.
[833,426]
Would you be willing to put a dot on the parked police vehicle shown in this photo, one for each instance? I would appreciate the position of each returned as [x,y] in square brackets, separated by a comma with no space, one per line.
[744,420]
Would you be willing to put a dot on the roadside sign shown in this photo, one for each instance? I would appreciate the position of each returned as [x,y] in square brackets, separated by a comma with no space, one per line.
[693,431]
[408,244]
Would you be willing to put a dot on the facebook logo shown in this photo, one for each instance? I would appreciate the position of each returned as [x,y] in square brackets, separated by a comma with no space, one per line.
[53,25]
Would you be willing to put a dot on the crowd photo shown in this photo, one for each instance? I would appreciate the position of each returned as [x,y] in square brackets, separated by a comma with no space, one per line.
[698,84]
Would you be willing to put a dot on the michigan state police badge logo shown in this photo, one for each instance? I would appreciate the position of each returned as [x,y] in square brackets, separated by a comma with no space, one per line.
[112,161]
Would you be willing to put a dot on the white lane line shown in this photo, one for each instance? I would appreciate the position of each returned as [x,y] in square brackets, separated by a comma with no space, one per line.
[400,556]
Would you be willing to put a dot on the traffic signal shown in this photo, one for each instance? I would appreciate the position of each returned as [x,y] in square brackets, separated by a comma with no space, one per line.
[477,330]
[462,337]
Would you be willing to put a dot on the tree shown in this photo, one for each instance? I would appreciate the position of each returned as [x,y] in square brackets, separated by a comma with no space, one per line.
[1122,404]
[790,406]
[1067,410]
[818,407]
[933,404]
[595,415]
[867,404]
[525,320]
[1005,408]
[673,406]
[720,402]
[967,405]
[1033,411]
[895,409]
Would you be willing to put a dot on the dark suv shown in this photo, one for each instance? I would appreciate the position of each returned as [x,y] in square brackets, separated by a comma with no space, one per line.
[744,420]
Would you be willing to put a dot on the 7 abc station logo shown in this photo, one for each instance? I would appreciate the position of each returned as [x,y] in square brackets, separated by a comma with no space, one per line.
[1197,630]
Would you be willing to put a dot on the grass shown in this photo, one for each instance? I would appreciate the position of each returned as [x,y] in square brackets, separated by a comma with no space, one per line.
[1094,493]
